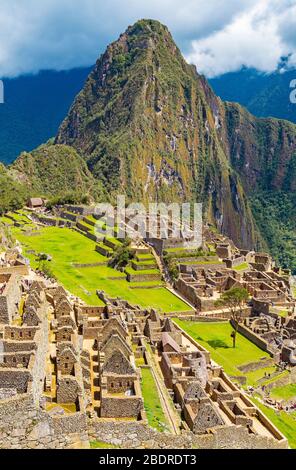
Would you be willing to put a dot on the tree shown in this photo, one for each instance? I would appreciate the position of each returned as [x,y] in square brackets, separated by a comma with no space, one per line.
[234,299]
[122,256]
[45,268]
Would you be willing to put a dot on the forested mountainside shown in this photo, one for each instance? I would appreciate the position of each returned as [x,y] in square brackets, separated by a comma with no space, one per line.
[263,94]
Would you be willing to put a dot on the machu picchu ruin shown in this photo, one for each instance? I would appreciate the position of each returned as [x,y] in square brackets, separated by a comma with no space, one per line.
[83,363]
[147,263]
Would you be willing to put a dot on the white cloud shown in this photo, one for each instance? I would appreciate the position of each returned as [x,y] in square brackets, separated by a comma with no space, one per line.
[216,36]
[257,38]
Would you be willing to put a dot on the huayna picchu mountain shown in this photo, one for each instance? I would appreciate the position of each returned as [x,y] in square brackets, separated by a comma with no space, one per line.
[148,125]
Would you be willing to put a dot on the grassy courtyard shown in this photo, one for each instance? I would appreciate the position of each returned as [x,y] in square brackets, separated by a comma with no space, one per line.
[286,392]
[215,337]
[69,248]
[153,408]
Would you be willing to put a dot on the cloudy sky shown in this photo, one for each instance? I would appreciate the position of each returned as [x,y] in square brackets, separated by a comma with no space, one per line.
[217,36]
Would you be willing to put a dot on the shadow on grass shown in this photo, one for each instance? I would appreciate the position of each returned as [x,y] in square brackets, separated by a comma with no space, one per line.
[218,343]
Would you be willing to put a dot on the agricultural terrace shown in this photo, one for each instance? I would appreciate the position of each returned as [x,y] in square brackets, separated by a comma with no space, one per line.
[69,248]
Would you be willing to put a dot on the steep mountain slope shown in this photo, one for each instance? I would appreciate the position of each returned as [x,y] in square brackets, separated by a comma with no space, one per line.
[264,95]
[12,193]
[147,125]
[53,170]
[263,153]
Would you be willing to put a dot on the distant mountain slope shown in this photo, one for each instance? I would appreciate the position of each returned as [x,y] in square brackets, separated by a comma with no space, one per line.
[264,95]
[34,108]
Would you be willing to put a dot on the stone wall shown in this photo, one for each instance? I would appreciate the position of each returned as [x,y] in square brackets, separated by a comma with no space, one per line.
[23,426]
[10,299]
[143,277]
[132,435]
[256,339]
[121,407]
[21,270]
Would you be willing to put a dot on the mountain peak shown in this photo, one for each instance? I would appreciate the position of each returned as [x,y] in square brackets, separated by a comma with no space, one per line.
[148,26]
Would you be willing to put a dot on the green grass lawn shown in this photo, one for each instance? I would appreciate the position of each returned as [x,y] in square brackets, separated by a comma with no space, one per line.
[130,270]
[68,247]
[285,422]
[153,408]
[286,392]
[215,337]
[102,445]
[256,375]
[242,267]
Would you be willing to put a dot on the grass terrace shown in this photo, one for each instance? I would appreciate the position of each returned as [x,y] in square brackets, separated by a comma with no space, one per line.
[6,220]
[130,270]
[242,267]
[286,392]
[144,257]
[215,337]
[155,415]
[69,248]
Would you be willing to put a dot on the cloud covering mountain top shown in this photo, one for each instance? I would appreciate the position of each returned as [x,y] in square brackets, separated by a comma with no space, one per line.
[216,36]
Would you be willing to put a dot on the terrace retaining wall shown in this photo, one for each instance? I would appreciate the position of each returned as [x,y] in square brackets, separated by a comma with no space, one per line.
[132,435]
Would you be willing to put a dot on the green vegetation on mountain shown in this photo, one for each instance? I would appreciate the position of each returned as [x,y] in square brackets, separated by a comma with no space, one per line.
[55,170]
[275,214]
[12,194]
